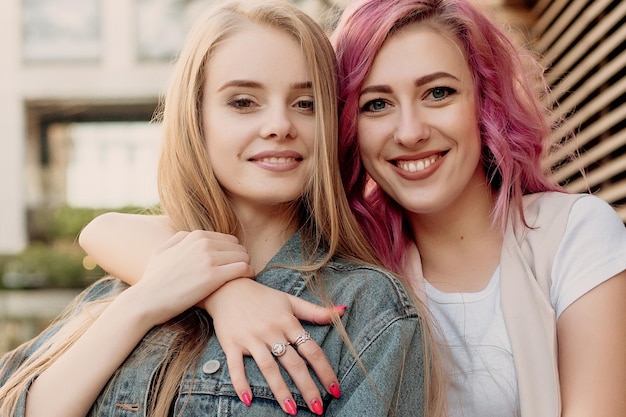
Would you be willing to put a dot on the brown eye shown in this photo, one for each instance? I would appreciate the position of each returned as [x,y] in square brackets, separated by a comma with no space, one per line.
[308,105]
[241,103]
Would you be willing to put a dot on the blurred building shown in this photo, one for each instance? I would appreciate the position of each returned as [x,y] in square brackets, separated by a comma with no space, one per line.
[81,80]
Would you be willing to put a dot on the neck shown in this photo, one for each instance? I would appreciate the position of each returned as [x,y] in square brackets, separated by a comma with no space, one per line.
[460,246]
[469,214]
[263,231]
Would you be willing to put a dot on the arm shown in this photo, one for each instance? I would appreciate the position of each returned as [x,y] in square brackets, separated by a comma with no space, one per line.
[72,383]
[135,238]
[123,243]
[590,278]
[592,352]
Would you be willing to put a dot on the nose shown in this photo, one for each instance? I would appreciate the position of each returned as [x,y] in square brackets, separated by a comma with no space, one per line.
[411,128]
[278,124]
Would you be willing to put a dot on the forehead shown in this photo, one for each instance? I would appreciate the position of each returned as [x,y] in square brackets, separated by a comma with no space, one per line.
[415,51]
[256,52]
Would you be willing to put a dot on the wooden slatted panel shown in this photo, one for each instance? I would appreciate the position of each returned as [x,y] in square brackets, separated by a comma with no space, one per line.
[584,45]
[604,149]
[560,25]
[579,117]
[593,36]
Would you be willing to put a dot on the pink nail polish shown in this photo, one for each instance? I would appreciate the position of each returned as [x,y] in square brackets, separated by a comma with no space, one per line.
[245,397]
[334,390]
[317,407]
[290,406]
[341,307]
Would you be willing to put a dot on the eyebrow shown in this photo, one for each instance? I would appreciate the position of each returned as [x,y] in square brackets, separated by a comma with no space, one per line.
[306,85]
[385,89]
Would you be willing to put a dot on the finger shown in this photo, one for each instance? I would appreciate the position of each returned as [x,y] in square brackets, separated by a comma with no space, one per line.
[208,234]
[317,360]
[219,241]
[299,373]
[236,369]
[218,258]
[172,241]
[236,270]
[271,372]
[219,245]
[307,311]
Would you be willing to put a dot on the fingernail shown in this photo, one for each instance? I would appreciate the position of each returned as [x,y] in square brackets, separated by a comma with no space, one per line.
[317,407]
[290,406]
[334,390]
[245,397]
[341,307]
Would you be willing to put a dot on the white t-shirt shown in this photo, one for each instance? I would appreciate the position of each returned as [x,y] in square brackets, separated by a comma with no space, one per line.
[483,380]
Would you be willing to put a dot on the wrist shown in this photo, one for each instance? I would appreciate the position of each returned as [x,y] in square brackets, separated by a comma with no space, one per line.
[134,311]
[228,289]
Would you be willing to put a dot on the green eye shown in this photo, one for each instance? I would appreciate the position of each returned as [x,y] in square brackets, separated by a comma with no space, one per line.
[439,93]
[376,105]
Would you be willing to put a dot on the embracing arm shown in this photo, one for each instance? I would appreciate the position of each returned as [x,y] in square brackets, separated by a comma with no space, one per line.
[71,384]
[592,352]
[122,245]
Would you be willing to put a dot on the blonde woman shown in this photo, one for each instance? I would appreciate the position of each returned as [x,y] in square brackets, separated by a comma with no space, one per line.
[249,178]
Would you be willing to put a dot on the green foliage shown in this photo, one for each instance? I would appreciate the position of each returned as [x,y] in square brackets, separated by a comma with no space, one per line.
[50,266]
[65,222]
[54,259]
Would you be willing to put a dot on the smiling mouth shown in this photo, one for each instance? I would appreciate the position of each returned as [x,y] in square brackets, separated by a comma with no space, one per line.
[418,165]
[277,160]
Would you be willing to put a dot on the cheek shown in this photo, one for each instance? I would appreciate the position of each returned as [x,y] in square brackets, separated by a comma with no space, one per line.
[369,139]
[366,149]
[306,130]
[369,158]
[475,140]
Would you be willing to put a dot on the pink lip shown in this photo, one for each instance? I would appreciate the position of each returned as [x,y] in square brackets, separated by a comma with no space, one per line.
[278,161]
[423,173]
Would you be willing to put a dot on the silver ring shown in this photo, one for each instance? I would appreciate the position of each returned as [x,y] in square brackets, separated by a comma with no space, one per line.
[279,349]
[302,338]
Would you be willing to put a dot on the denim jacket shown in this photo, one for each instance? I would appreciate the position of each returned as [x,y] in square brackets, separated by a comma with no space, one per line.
[380,320]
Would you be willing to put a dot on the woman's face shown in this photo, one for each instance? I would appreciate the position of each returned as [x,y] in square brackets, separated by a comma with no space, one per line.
[417,125]
[258,117]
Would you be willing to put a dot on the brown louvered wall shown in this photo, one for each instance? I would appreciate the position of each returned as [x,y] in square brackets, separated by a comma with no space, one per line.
[584,45]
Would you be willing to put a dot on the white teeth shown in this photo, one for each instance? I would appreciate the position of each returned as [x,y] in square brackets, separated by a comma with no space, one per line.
[277,161]
[419,165]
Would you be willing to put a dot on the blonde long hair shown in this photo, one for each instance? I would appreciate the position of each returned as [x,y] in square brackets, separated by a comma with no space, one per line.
[192,197]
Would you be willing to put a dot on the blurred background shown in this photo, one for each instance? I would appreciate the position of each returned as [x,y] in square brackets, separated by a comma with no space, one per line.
[80,80]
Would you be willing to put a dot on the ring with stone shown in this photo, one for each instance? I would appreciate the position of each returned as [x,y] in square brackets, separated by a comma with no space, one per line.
[302,338]
[279,349]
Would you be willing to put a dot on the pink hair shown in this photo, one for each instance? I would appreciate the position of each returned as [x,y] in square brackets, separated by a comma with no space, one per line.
[512,121]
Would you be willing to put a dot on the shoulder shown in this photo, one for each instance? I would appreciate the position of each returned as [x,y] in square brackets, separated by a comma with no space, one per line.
[542,209]
[549,204]
[551,211]
[384,328]
[360,283]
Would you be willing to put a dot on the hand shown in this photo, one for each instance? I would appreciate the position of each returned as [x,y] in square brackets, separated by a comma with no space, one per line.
[186,269]
[275,317]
